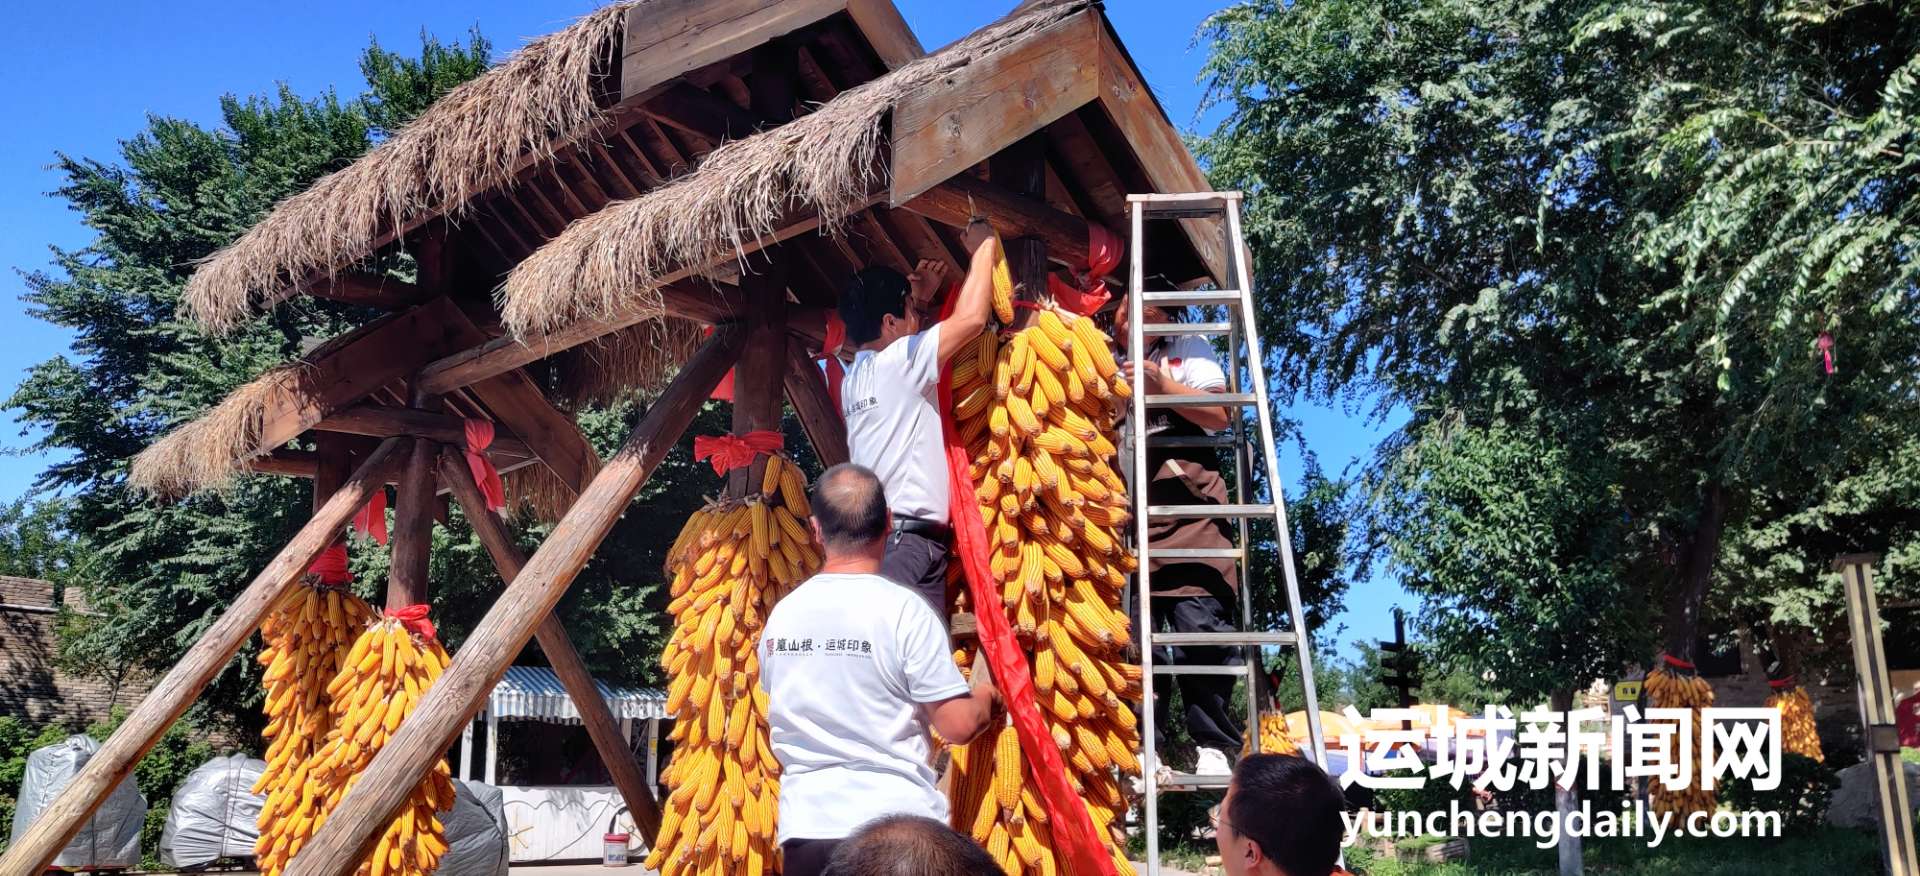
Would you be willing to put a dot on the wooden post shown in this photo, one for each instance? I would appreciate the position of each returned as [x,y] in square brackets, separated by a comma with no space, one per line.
[758,379]
[819,416]
[183,684]
[607,737]
[1022,169]
[425,735]
[412,540]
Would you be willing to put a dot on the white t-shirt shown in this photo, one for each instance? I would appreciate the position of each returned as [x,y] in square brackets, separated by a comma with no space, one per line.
[890,400]
[847,662]
[1187,360]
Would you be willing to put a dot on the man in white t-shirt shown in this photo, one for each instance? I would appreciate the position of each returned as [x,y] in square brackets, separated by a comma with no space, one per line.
[1190,596]
[890,399]
[856,668]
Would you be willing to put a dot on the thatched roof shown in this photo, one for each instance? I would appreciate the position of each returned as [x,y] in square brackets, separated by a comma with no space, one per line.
[471,140]
[829,161]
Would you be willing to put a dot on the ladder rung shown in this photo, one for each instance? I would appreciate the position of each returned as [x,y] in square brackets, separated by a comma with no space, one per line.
[1155,202]
[1221,440]
[1200,400]
[1182,669]
[1192,782]
[1232,553]
[1275,637]
[1210,511]
[1184,298]
[1186,328]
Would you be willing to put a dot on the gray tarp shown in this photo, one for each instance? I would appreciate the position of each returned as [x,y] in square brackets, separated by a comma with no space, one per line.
[111,838]
[214,813]
[476,832]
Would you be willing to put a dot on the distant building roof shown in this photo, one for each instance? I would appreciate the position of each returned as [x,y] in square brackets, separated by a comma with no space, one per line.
[534,693]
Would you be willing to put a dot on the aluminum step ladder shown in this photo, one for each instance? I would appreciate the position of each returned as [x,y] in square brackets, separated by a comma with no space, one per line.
[1240,332]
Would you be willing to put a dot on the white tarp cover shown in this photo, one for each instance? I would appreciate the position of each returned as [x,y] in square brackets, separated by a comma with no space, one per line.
[476,832]
[214,813]
[111,838]
[534,693]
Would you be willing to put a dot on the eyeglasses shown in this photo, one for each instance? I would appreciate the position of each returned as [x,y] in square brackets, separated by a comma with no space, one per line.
[1213,817]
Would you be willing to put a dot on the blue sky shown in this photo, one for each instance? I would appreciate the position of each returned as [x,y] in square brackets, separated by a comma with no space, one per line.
[78,81]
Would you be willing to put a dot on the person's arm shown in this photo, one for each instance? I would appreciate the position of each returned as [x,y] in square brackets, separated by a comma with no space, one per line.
[1210,418]
[969,316]
[955,708]
[962,718]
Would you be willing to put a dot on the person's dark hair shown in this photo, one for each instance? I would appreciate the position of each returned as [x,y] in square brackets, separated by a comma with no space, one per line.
[850,505]
[909,845]
[873,293]
[1291,808]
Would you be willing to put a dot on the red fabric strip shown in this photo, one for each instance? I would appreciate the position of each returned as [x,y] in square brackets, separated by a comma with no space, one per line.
[729,452]
[479,438]
[1104,249]
[414,618]
[1783,683]
[331,565]
[722,391]
[830,353]
[372,520]
[1676,662]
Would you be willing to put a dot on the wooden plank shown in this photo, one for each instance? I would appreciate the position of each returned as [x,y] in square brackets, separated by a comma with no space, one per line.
[701,113]
[451,702]
[807,391]
[758,379]
[667,38]
[181,687]
[624,185]
[1013,215]
[378,421]
[1157,147]
[880,22]
[370,290]
[554,642]
[988,105]
[412,537]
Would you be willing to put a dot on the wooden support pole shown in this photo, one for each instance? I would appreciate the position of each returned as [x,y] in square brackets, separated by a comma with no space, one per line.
[819,417]
[34,850]
[953,202]
[426,734]
[412,540]
[554,642]
[1022,170]
[758,379]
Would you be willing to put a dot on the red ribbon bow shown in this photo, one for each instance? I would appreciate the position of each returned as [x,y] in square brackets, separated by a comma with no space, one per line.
[729,452]
[479,438]
[372,520]
[331,566]
[1104,249]
[414,618]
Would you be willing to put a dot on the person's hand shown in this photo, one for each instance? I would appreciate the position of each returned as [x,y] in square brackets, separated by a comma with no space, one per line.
[926,279]
[978,234]
[1151,378]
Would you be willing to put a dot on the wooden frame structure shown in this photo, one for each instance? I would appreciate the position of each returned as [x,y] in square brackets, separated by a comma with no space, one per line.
[1045,126]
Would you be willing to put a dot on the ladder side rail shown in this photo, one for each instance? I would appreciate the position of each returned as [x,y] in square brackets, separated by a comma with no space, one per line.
[1256,372]
[1136,346]
[1239,323]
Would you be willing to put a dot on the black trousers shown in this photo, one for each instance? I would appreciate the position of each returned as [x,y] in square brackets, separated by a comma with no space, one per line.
[919,564]
[807,857]
[1210,715]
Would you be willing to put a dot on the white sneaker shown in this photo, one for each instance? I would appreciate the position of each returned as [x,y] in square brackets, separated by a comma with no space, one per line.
[1212,762]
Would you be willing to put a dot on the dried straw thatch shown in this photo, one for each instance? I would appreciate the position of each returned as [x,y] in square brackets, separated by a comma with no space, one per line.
[828,161]
[206,453]
[471,140]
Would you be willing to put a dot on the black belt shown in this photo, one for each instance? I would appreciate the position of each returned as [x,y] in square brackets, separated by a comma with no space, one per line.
[924,528]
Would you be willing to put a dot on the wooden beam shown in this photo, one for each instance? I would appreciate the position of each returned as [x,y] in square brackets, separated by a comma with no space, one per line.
[554,642]
[1012,214]
[517,403]
[819,417]
[880,22]
[288,463]
[667,38]
[986,106]
[700,112]
[758,379]
[412,540]
[380,421]
[424,736]
[370,290]
[1022,169]
[36,849]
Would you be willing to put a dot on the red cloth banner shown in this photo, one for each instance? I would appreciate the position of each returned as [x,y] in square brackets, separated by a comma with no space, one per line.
[372,520]
[479,438]
[414,618]
[331,566]
[729,452]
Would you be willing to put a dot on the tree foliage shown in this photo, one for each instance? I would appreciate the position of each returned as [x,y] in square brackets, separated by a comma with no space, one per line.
[1597,245]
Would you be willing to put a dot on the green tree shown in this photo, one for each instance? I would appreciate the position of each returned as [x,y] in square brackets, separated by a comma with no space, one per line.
[1598,243]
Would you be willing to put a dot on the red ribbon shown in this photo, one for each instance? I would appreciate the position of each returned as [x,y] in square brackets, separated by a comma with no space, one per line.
[479,438]
[1676,662]
[1825,343]
[729,452]
[414,618]
[372,520]
[722,391]
[1104,250]
[830,353]
[331,566]
[1085,854]
[1783,683]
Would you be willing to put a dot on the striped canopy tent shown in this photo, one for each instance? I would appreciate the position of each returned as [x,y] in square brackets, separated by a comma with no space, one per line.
[534,693]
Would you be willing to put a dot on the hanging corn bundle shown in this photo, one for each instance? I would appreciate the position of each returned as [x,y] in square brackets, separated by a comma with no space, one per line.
[1798,735]
[733,560]
[308,636]
[1037,415]
[1274,738]
[383,678]
[1675,685]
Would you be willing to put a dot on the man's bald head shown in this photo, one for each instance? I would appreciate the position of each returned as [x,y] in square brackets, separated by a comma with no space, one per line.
[909,845]
[850,508]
